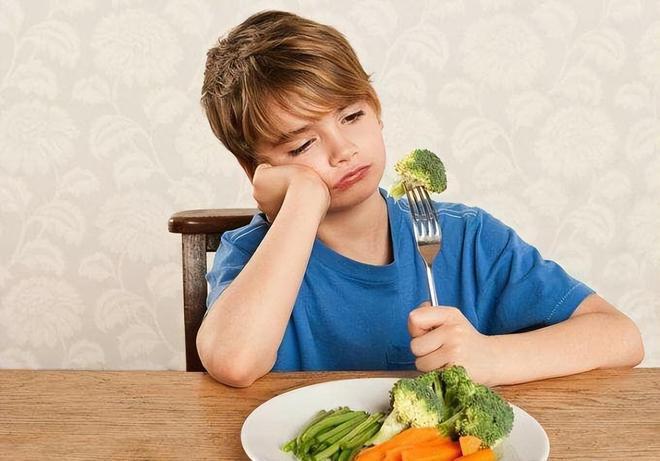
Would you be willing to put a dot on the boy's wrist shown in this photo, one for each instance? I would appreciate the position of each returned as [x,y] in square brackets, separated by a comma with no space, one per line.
[499,359]
[302,206]
[313,192]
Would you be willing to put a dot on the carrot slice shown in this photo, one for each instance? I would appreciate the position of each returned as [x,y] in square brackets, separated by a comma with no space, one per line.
[438,440]
[469,444]
[447,451]
[485,454]
[414,435]
[404,439]
[370,454]
[393,455]
[409,436]
[428,445]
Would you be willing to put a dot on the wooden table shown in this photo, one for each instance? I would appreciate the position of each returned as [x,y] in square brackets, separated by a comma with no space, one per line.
[74,415]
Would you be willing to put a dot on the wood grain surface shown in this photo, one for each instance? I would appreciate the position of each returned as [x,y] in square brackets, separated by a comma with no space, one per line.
[93,415]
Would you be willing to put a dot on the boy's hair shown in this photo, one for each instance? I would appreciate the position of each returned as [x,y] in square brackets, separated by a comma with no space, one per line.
[275,57]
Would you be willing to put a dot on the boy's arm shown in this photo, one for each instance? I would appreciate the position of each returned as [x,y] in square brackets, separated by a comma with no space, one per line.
[597,335]
[240,336]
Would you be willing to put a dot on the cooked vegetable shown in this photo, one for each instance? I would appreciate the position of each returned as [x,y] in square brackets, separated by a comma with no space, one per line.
[415,402]
[482,455]
[446,451]
[469,444]
[406,439]
[451,402]
[414,444]
[483,414]
[419,167]
[437,416]
[336,434]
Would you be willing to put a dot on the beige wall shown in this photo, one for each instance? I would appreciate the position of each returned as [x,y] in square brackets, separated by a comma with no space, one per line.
[545,113]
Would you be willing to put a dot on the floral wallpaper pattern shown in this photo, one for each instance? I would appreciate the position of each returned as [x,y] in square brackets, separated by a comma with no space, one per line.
[545,113]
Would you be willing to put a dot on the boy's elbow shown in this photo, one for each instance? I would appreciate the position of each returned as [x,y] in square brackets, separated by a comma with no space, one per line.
[230,369]
[638,346]
[231,375]
[633,343]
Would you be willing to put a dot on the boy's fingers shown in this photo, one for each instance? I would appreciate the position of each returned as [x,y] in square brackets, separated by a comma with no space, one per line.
[434,361]
[428,342]
[426,318]
[410,327]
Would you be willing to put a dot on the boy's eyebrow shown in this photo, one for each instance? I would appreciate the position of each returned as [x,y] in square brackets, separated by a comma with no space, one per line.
[287,136]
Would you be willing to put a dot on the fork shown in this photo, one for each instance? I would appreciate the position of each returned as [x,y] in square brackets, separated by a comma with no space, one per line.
[428,233]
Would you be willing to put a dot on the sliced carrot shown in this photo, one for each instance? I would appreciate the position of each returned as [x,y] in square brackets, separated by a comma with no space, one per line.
[485,454]
[409,436]
[439,440]
[430,446]
[469,444]
[447,451]
[414,435]
[428,438]
[370,454]
[393,455]
[436,458]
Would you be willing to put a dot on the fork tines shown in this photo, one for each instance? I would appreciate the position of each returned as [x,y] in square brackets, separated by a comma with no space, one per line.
[422,211]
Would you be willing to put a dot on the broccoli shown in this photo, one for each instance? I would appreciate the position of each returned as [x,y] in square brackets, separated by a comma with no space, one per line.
[485,415]
[473,409]
[419,167]
[457,388]
[415,402]
[432,380]
[450,401]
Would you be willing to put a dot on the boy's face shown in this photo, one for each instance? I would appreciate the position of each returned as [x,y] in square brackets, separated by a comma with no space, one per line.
[333,146]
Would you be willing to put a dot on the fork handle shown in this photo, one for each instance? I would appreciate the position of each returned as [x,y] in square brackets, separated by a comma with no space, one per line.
[429,276]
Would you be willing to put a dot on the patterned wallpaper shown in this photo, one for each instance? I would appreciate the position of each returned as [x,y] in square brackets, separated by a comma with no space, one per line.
[545,113]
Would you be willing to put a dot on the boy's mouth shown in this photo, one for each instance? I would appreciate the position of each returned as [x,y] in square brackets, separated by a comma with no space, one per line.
[352,177]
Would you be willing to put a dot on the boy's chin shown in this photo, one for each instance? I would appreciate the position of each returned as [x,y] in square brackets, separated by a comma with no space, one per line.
[342,200]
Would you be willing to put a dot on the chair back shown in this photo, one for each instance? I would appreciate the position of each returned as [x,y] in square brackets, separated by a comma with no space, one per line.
[200,233]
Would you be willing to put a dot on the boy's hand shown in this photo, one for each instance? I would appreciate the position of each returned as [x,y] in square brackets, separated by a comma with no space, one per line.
[270,185]
[441,335]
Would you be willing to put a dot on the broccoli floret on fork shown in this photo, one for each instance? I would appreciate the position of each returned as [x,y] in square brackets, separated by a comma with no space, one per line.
[420,167]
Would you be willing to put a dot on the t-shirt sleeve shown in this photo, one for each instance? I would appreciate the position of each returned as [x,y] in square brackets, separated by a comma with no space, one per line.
[518,290]
[228,262]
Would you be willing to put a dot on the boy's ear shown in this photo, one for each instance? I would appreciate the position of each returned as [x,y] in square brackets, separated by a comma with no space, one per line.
[380,122]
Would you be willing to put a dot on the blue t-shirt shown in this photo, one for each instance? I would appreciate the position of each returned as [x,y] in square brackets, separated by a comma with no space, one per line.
[354,316]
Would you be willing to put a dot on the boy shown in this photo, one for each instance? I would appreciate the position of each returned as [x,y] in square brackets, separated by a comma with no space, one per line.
[328,276]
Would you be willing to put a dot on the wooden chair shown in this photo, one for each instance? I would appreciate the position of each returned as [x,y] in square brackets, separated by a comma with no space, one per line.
[200,233]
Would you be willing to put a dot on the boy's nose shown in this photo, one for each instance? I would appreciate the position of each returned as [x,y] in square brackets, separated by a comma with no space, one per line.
[342,151]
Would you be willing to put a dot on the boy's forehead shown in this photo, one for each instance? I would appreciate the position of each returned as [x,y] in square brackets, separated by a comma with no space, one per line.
[287,118]
[296,113]
[294,120]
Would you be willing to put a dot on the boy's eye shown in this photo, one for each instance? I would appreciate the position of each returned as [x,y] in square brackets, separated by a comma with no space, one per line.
[354,116]
[301,149]
[349,118]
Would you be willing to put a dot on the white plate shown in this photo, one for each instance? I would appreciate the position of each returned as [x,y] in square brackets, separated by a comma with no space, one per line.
[278,420]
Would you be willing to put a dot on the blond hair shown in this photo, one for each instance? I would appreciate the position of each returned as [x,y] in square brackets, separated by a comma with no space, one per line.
[275,57]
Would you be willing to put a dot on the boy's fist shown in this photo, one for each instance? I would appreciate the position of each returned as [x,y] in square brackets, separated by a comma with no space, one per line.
[270,184]
[441,336]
